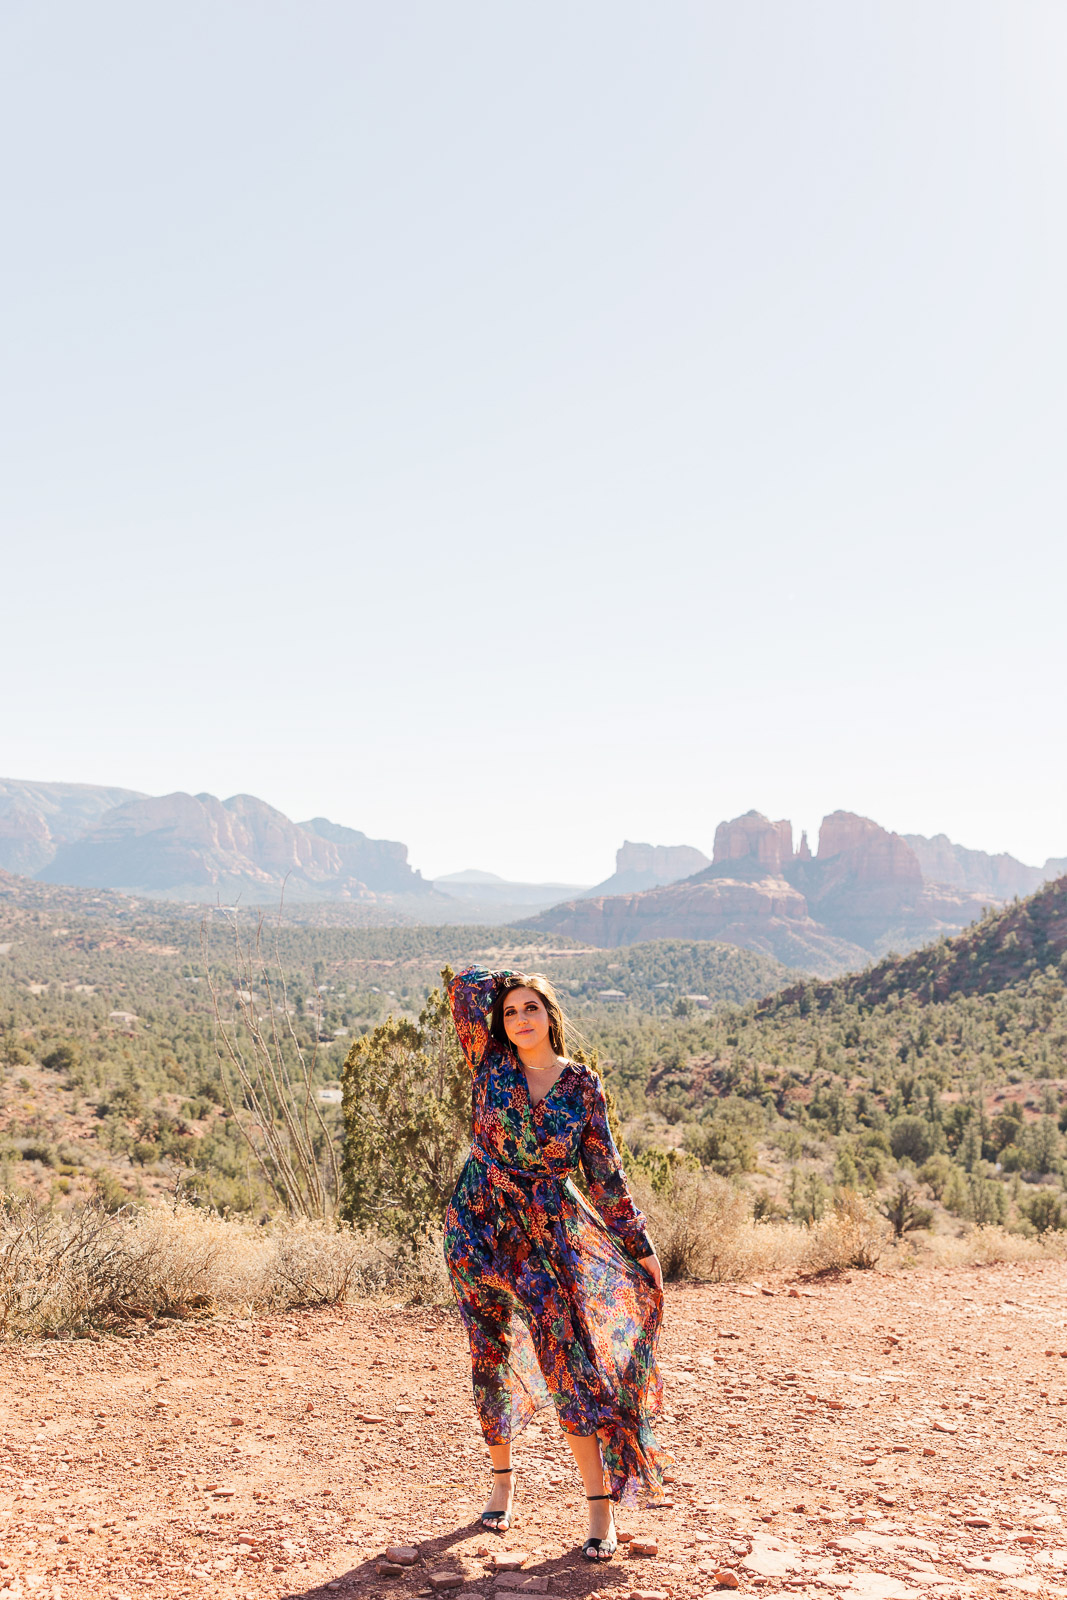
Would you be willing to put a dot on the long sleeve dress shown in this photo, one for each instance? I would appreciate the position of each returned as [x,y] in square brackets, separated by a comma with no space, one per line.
[554,1302]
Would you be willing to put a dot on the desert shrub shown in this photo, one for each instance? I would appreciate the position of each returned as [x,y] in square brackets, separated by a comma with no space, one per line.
[721,1144]
[657,1168]
[316,1266]
[407,1099]
[62,1059]
[1007,1125]
[902,1210]
[984,1246]
[40,1258]
[1041,1143]
[913,1139]
[67,1272]
[1045,1211]
[987,1200]
[765,1208]
[108,1191]
[846,1171]
[850,1235]
[809,1195]
[703,1231]
[936,1173]
[36,1150]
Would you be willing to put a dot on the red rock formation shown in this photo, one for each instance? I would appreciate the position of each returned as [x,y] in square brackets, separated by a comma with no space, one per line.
[647,866]
[667,863]
[770,844]
[1000,877]
[36,818]
[763,914]
[865,884]
[183,842]
[867,853]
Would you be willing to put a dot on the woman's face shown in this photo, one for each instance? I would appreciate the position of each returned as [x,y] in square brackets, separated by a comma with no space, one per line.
[525,1019]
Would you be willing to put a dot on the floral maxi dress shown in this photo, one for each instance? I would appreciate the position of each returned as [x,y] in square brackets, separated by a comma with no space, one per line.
[554,1302]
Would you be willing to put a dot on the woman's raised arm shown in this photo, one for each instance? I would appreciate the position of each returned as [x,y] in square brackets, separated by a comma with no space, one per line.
[471,995]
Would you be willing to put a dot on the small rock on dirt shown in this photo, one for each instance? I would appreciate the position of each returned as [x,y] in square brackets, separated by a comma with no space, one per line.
[445,1580]
[726,1579]
[405,1555]
[644,1547]
[509,1560]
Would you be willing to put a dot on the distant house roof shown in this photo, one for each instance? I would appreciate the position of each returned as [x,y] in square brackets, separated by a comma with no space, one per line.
[611,994]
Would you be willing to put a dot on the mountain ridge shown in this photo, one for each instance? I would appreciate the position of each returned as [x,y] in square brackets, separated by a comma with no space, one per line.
[862,894]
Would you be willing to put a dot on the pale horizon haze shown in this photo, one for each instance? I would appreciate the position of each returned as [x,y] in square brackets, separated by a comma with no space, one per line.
[514,429]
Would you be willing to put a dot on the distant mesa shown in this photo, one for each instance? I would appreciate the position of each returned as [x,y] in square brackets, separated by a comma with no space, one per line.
[999,877]
[864,892]
[192,847]
[35,818]
[648,866]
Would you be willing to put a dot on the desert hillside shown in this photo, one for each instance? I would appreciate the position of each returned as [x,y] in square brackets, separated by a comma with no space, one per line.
[941,1075]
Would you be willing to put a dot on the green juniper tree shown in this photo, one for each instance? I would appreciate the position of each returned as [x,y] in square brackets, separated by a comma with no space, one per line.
[407,1110]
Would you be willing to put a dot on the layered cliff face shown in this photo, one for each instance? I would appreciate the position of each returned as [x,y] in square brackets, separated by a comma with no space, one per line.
[382,864]
[36,818]
[865,884]
[764,914]
[188,844]
[1000,877]
[647,866]
[753,838]
[860,895]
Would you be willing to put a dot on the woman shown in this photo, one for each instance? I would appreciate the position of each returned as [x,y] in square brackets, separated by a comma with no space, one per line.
[560,1304]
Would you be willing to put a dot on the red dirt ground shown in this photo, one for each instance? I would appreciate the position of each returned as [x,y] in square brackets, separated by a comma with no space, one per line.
[832,1438]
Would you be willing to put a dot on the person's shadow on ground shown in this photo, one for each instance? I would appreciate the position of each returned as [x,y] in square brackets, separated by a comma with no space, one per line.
[569,1574]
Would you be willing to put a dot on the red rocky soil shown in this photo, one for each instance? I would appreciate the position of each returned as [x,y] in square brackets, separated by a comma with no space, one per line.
[877,1437]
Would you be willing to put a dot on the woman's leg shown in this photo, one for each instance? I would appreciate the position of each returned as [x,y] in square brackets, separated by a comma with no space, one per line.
[586,1451]
[489,1328]
[503,1482]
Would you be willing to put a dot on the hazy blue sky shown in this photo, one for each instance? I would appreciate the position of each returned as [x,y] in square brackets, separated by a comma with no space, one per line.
[513,428]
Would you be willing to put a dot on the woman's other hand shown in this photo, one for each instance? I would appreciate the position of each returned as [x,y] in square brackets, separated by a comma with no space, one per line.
[654,1270]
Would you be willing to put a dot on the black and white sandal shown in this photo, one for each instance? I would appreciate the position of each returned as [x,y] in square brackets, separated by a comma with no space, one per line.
[599,1549]
[498,1521]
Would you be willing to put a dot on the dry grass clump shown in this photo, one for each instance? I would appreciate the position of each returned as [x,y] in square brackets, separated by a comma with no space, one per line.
[66,1272]
[981,1247]
[850,1235]
[85,1268]
[704,1231]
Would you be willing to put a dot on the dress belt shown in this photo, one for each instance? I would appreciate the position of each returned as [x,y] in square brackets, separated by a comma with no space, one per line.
[497,1172]
[507,1180]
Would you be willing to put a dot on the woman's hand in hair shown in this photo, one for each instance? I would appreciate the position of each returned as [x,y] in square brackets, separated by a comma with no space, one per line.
[654,1270]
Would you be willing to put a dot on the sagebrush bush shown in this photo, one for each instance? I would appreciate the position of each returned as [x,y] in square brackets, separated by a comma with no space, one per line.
[703,1231]
[850,1235]
[91,1267]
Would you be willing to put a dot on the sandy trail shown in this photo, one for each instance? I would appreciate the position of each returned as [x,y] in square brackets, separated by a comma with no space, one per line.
[883,1436]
